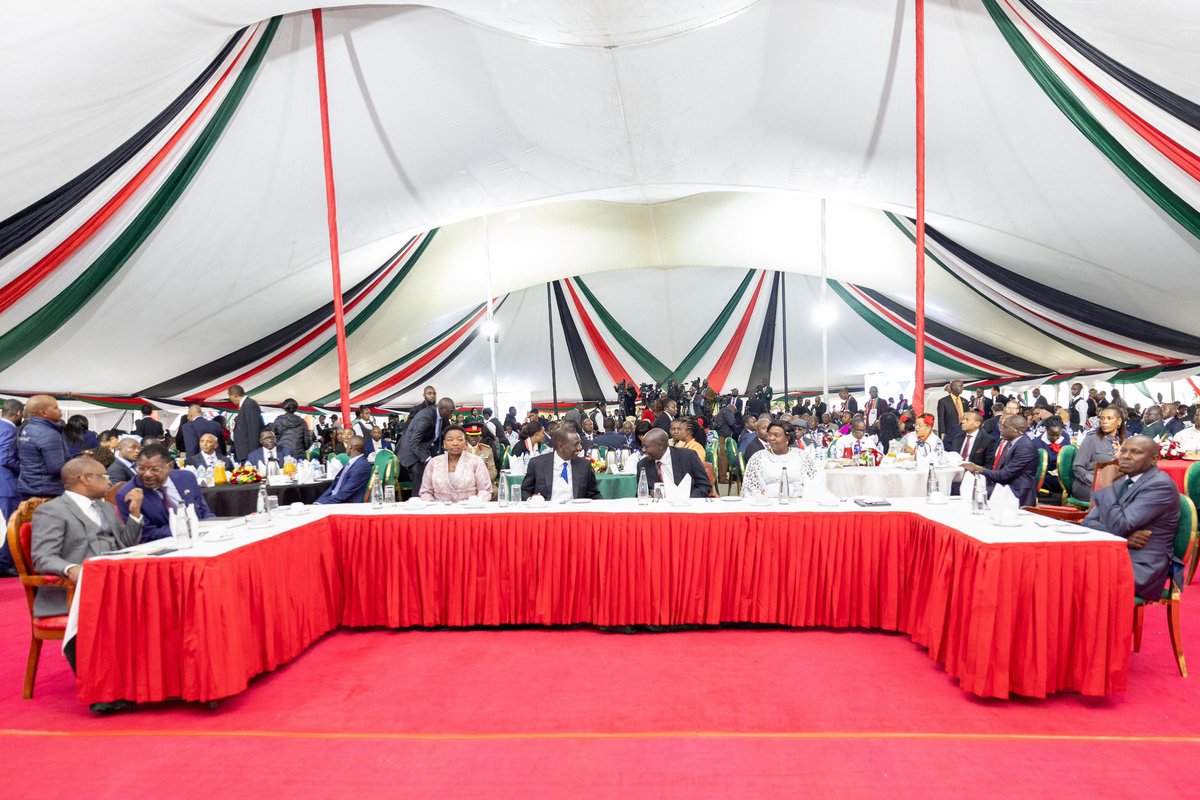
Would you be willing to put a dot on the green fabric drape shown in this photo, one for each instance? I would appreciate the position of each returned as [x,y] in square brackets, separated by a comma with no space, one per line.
[36,328]
[1135,375]
[900,337]
[361,317]
[710,336]
[1089,126]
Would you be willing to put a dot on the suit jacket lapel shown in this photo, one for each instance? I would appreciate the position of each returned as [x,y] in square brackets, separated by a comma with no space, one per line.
[89,528]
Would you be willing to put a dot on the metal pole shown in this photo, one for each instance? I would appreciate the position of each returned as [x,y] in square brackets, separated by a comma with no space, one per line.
[553,370]
[919,348]
[491,319]
[783,298]
[339,314]
[824,312]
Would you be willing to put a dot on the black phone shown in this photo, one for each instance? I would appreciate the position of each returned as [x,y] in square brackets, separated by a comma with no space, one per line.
[862,501]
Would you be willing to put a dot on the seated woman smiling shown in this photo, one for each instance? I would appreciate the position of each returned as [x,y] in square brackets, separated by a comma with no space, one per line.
[456,474]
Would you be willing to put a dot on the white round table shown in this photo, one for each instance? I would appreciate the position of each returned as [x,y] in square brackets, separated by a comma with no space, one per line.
[885,481]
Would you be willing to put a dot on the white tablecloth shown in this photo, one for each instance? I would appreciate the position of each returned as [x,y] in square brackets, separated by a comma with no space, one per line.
[885,481]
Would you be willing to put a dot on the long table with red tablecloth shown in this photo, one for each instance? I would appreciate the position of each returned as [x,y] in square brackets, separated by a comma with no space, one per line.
[1025,610]
[1177,468]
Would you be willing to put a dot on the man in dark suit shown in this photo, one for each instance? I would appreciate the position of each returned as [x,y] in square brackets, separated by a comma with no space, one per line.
[350,485]
[971,444]
[991,426]
[848,403]
[1152,423]
[208,456]
[41,449]
[610,438]
[1039,401]
[148,425]
[560,475]
[10,468]
[164,489]
[124,465]
[1136,500]
[248,424]
[663,463]
[422,436]
[874,407]
[1172,424]
[950,410]
[663,420]
[195,427]
[77,525]
[1015,464]
[268,451]
[757,440]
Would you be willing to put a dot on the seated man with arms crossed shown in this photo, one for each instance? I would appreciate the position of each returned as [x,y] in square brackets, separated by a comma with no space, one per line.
[1139,502]
[74,527]
[561,475]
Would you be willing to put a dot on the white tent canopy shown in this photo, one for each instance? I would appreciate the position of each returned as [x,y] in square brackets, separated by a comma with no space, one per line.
[610,140]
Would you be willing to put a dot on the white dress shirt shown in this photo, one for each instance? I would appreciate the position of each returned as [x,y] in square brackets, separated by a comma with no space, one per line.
[668,471]
[560,491]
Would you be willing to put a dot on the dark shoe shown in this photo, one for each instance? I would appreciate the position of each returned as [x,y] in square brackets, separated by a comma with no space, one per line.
[115,707]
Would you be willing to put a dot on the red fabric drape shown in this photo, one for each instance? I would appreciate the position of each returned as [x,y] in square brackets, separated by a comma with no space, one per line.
[1028,619]
[720,372]
[612,365]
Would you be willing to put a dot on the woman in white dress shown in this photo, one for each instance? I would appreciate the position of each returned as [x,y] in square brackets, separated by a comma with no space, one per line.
[764,470]
[922,442]
[456,474]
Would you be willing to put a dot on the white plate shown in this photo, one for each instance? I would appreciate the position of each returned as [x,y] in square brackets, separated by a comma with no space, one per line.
[732,498]
[258,522]
[581,500]
[1076,529]
[293,512]
[1013,524]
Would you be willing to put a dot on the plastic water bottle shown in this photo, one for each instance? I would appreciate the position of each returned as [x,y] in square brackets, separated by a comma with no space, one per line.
[785,489]
[931,481]
[979,496]
[264,506]
[376,494]
[502,489]
[643,490]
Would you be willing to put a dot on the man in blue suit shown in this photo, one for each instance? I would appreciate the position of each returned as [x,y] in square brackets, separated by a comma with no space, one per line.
[1015,464]
[1139,502]
[350,486]
[163,489]
[10,418]
[195,427]
[268,451]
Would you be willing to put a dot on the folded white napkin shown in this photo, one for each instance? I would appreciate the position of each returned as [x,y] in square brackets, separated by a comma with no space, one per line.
[679,491]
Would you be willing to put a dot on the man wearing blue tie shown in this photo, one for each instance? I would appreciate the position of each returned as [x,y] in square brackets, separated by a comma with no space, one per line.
[560,475]
[350,486]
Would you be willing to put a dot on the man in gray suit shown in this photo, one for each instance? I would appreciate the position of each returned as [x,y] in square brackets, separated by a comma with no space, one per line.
[1139,502]
[77,525]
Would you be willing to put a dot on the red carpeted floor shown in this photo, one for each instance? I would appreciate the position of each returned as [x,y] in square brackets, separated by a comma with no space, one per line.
[535,713]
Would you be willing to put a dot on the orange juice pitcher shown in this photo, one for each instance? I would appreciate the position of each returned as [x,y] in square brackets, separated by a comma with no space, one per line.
[219,473]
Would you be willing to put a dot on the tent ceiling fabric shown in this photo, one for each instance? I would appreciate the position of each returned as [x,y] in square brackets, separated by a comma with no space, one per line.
[596,137]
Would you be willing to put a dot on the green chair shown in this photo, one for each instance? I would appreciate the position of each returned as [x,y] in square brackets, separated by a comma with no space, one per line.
[1185,553]
[1191,485]
[710,454]
[1066,463]
[1043,465]
[383,471]
[736,468]
[342,457]
[603,450]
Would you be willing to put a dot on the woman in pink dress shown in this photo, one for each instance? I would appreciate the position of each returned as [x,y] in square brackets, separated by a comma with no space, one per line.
[455,475]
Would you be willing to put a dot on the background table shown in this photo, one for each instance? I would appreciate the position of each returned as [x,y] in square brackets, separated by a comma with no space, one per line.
[885,481]
[1006,610]
[1177,468]
[238,500]
[612,486]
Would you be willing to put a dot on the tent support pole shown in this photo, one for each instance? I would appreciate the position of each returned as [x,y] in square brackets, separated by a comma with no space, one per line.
[491,314]
[824,321]
[783,298]
[919,348]
[339,313]
[553,370]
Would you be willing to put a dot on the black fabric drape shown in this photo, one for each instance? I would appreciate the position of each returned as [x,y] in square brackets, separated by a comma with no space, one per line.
[1076,308]
[958,339]
[764,353]
[1179,107]
[35,218]
[585,376]
[208,373]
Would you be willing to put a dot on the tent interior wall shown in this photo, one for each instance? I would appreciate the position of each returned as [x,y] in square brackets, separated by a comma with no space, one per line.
[163,226]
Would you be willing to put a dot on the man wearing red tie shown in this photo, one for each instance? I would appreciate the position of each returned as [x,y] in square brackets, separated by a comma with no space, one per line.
[1015,463]
[874,407]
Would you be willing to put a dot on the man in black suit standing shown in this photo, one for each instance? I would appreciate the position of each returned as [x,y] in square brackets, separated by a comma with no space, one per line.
[195,427]
[663,420]
[1039,401]
[971,443]
[248,425]
[1136,500]
[662,464]
[422,435]
[950,411]
[1015,464]
[148,425]
[561,475]
[848,403]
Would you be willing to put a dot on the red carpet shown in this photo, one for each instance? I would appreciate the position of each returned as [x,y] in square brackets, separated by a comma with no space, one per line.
[538,713]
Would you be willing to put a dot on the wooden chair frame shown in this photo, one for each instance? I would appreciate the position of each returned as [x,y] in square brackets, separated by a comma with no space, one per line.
[1171,596]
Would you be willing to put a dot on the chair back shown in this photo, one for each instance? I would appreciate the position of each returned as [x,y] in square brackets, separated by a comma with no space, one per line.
[1066,462]
[710,453]
[20,543]
[733,456]
[383,470]
[1043,465]
[1191,483]
[111,494]
[712,479]
[602,449]
[1185,543]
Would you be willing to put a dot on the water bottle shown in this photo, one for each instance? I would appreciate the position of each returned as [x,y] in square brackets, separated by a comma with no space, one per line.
[643,489]
[785,490]
[502,489]
[979,496]
[376,493]
[264,506]
[931,482]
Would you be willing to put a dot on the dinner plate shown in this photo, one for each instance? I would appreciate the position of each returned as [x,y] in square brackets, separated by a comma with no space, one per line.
[1076,529]
[581,500]
[1013,524]
[732,498]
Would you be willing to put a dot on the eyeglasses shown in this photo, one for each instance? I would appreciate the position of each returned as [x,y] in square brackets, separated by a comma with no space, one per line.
[95,475]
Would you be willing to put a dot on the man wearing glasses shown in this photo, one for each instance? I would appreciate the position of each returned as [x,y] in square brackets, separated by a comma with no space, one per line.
[164,489]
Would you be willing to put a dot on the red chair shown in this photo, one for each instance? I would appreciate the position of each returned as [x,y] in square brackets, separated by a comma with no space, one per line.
[20,531]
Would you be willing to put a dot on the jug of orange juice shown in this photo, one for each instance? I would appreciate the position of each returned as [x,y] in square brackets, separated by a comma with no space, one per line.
[219,473]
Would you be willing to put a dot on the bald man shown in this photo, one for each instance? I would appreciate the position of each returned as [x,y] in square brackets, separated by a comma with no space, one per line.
[196,427]
[663,464]
[41,449]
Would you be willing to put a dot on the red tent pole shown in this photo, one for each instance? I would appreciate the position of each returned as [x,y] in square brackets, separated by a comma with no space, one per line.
[918,400]
[339,314]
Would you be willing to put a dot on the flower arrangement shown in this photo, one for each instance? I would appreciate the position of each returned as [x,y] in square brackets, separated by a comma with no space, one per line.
[245,474]
[1170,448]
[598,465]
